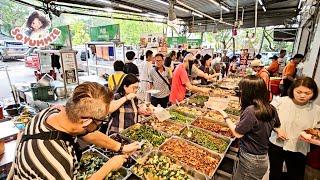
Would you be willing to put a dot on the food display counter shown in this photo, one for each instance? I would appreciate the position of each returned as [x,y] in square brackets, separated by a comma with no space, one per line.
[191,144]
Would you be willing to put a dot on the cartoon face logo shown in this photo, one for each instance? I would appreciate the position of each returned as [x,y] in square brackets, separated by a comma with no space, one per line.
[35,31]
[37,25]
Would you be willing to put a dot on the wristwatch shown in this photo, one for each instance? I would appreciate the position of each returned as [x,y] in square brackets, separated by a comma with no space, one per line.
[121,148]
[225,118]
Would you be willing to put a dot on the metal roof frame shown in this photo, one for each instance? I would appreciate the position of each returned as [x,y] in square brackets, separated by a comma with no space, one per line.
[277,12]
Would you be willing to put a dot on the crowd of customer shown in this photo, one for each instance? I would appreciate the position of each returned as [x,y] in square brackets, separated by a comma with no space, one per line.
[271,130]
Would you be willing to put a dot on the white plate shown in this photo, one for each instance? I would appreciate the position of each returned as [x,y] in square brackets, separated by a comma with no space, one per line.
[153,91]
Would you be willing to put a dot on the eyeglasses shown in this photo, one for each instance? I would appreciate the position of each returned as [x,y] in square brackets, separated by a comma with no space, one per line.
[94,119]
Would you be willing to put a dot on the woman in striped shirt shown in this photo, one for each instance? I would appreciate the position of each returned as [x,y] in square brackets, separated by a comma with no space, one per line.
[47,149]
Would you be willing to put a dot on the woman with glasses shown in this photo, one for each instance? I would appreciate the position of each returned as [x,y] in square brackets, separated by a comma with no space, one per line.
[297,112]
[124,110]
[258,118]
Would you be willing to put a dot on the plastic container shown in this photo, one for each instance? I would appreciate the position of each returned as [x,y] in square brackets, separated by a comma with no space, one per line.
[42,93]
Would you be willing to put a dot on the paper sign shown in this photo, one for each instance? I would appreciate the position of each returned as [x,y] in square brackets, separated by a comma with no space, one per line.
[163,115]
[217,103]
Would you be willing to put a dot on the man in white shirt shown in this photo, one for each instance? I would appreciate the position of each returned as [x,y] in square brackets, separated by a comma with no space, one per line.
[145,69]
[282,60]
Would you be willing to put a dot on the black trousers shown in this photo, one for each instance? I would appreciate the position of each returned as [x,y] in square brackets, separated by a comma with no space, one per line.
[295,163]
[162,101]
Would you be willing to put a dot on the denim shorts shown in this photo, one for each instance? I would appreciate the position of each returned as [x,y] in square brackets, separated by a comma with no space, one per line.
[250,166]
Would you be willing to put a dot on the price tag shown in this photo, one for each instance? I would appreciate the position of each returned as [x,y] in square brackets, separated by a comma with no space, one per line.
[217,103]
[162,115]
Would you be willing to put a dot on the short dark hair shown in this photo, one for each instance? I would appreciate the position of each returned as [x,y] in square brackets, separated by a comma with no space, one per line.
[198,56]
[258,56]
[254,92]
[233,58]
[179,54]
[127,81]
[45,22]
[149,53]
[167,62]
[306,82]
[159,54]
[283,51]
[130,55]
[118,66]
[184,53]
[204,59]
[172,53]
[298,56]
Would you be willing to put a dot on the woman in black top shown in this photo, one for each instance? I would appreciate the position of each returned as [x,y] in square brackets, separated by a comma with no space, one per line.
[257,120]
[206,68]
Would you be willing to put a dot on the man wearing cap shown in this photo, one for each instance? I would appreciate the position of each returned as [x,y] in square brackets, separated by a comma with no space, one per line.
[258,67]
[274,66]
[180,80]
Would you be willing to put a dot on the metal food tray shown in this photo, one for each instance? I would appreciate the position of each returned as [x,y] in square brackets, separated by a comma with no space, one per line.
[217,122]
[193,96]
[219,156]
[237,118]
[192,173]
[130,161]
[181,125]
[213,134]
[123,171]
[183,113]
[138,125]
[192,117]
[174,107]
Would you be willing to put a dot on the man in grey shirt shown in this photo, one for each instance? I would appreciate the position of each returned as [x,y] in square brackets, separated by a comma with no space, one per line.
[159,79]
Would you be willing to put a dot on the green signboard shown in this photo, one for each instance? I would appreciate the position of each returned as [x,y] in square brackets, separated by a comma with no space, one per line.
[194,43]
[172,41]
[105,33]
[64,36]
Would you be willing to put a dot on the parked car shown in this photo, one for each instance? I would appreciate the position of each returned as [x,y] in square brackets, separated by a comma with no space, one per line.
[31,58]
[10,49]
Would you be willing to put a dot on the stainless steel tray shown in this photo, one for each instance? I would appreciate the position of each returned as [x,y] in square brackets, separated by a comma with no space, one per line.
[192,117]
[228,140]
[147,147]
[193,174]
[176,108]
[164,131]
[216,122]
[214,154]
[138,125]
[123,171]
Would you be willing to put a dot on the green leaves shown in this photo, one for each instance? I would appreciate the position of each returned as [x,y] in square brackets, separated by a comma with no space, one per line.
[145,133]
[205,139]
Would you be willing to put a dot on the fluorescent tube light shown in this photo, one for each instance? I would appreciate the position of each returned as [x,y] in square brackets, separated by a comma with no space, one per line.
[129,8]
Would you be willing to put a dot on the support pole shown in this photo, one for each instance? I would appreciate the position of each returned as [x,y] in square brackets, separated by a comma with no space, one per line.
[262,38]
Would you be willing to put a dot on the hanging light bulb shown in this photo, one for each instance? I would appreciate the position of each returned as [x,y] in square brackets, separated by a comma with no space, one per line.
[253,38]
[247,36]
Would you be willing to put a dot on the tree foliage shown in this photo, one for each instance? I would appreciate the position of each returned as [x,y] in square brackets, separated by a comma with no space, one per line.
[79,32]
[12,15]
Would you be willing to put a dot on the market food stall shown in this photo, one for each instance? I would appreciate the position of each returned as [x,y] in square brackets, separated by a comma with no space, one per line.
[192,144]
